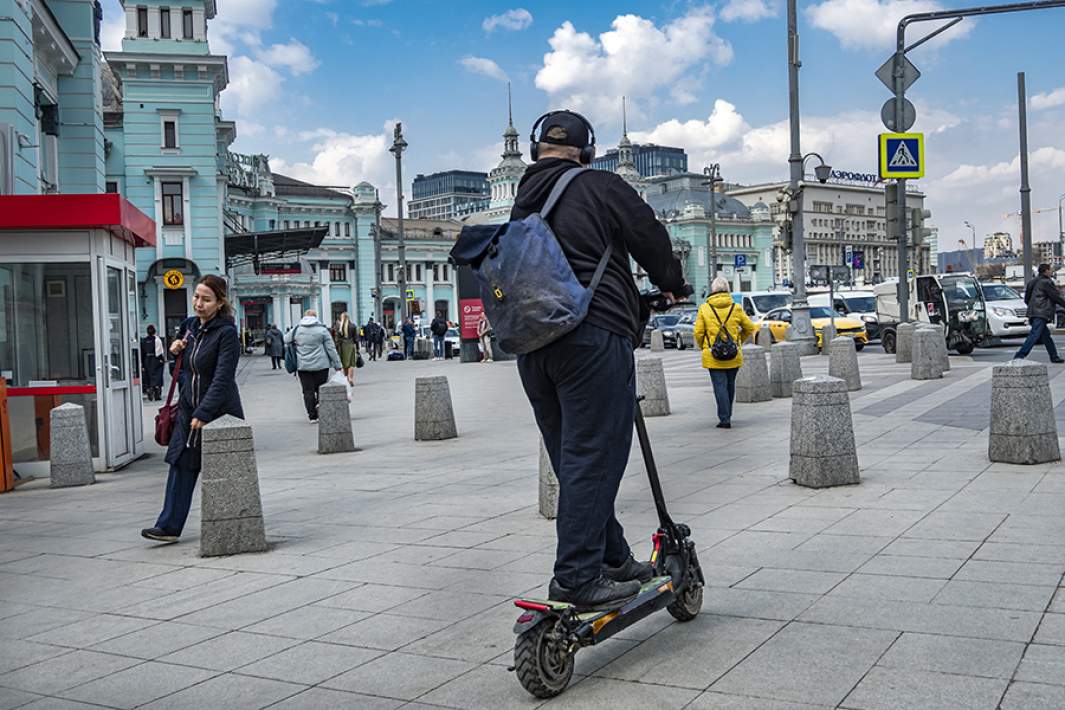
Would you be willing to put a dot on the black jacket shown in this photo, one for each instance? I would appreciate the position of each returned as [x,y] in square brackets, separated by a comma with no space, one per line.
[1041,295]
[599,206]
[438,326]
[208,386]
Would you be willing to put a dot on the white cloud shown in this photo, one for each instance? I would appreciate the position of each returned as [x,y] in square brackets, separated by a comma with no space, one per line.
[871,24]
[635,58]
[1045,159]
[113,28]
[334,18]
[1049,99]
[293,55]
[359,22]
[252,85]
[483,66]
[514,20]
[748,10]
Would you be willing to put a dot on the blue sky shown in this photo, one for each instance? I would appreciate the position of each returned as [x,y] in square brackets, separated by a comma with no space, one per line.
[316,84]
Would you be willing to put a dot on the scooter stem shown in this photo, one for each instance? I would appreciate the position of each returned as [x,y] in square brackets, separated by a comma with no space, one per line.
[664,520]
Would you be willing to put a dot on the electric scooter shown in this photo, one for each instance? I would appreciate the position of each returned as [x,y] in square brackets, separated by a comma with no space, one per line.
[550,633]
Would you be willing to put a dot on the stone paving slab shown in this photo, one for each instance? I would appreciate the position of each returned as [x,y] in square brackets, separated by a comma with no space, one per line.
[936,582]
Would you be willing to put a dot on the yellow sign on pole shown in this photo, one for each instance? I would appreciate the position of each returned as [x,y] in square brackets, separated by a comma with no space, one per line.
[901,155]
[174,279]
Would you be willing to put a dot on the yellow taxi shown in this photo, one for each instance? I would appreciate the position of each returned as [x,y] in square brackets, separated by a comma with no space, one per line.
[780,318]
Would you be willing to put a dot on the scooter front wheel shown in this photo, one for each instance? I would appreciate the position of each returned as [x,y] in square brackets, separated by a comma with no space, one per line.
[687,605]
[542,660]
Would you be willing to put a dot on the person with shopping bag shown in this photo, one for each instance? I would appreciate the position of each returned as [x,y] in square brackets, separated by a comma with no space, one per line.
[315,353]
[720,328]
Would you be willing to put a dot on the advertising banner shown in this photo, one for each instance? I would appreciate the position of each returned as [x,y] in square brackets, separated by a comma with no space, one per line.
[469,313]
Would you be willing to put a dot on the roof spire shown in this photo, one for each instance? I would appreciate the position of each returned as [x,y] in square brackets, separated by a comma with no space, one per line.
[510,111]
[624,118]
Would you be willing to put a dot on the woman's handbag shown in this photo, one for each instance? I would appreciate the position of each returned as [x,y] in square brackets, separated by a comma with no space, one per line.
[359,362]
[168,413]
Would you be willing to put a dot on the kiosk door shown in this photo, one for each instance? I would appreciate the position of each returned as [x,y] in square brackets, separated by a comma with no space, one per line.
[118,369]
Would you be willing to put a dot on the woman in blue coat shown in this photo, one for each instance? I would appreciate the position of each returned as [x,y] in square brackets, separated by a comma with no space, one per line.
[210,349]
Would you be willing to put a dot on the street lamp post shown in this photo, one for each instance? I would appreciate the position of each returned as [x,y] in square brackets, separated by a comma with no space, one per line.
[1061,229]
[972,254]
[398,146]
[713,174]
[802,327]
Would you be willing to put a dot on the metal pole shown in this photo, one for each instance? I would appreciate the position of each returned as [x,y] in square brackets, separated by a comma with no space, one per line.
[712,173]
[398,146]
[1061,229]
[901,217]
[802,328]
[1026,190]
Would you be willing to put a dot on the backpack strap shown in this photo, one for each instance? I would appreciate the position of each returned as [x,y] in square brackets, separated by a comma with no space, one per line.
[556,192]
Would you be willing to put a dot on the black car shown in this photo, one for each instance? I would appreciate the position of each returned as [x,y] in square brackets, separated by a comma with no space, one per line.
[665,322]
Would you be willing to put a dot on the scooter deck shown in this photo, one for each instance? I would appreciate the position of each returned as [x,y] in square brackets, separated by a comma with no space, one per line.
[648,591]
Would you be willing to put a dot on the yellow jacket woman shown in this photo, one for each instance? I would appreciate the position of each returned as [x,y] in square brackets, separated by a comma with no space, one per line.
[707,326]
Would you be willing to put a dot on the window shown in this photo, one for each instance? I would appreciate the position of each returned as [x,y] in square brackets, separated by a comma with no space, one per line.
[336,229]
[142,22]
[338,273]
[164,22]
[186,24]
[285,223]
[347,229]
[306,223]
[273,224]
[417,273]
[172,204]
[388,273]
[170,133]
[111,186]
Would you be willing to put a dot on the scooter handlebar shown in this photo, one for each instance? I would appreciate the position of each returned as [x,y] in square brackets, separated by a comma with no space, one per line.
[657,301]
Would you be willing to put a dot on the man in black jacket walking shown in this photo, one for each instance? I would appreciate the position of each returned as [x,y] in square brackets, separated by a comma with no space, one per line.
[1042,296]
[582,386]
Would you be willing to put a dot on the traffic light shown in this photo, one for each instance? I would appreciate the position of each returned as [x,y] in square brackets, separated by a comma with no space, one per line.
[917,228]
[785,235]
[891,210]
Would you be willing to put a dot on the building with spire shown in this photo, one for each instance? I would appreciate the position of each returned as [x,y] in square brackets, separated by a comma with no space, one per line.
[504,178]
[626,164]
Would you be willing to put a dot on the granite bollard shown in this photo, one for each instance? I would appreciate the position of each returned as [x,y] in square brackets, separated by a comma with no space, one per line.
[334,420]
[941,342]
[822,434]
[434,417]
[423,349]
[231,510]
[651,384]
[828,334]
[70,460]
[658,341]
[764,337]
[843,362]
[548,498]
[785,366]
[752,381]
[1023,428]
[904,342]
[927,356]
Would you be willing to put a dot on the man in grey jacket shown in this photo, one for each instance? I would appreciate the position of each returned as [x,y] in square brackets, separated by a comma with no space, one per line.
[315,354]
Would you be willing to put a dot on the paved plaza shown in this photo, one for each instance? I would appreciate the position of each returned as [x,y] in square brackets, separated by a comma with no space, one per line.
[935,583]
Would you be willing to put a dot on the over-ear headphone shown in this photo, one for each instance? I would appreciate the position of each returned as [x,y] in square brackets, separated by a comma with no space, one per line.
[587,152]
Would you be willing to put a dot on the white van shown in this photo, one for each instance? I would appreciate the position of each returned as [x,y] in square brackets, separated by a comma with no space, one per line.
[756,304]
[860,304]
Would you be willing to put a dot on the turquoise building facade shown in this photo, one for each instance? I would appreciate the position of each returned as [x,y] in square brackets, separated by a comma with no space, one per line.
[165,138]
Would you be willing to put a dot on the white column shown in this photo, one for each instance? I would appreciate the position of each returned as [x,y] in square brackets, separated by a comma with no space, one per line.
[158,199]
[454,296]
[131,21]
[186,217]
[153,22]
[199,24]
[430,303]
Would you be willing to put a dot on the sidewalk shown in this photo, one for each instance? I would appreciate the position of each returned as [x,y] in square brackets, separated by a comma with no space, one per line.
[392,571]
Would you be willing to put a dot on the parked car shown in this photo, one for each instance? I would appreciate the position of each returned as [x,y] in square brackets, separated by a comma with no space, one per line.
[1007,313]
[780,318]
[756,304]
[665,322]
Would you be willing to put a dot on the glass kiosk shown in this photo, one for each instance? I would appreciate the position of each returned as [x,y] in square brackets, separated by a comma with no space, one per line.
[68,322]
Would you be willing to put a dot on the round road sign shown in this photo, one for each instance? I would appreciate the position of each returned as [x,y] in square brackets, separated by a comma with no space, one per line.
[909,115]
[174,279]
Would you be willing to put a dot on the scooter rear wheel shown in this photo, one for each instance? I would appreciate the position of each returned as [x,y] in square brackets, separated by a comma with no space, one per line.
[542,662]
[687,605]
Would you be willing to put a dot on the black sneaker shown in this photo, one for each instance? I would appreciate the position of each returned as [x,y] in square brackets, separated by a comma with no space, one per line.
[158,534]
[1057,360]
[630,569]
[724,425]
[600,594]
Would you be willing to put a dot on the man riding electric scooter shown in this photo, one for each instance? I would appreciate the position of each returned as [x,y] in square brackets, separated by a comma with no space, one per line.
[582,385]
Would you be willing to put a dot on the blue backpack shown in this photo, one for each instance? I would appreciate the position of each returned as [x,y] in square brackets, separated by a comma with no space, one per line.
[291,359]
[530,293]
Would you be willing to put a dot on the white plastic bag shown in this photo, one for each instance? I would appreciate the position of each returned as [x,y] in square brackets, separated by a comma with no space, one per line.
[339,378]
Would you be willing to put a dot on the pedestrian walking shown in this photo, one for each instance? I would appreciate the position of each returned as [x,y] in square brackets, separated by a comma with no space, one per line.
[315,353]
[484,333]
[209,348]
[720,328]
[408,338]
[275,346]
[1042,297]
[347,344]
[371,337]
[153,359]
[439,329]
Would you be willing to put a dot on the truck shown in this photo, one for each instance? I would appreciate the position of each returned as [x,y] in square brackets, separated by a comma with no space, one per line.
[953,301]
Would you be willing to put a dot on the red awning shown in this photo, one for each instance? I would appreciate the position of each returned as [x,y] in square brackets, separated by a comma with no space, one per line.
[59,212]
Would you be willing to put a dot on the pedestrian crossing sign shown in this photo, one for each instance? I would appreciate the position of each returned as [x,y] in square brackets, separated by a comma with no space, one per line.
[901,155]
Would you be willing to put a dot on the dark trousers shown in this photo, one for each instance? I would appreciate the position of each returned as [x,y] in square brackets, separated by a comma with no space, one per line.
[276,361]
[438,346]
[1040,333]
[408,346]
[583,393]
[724,382]
[311,380]
[180,484]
